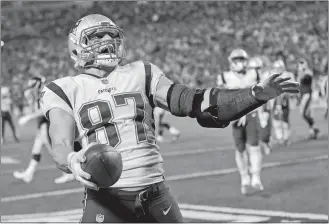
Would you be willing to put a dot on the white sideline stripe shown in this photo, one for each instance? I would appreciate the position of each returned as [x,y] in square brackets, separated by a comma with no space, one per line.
[199,212]
[252,211]
[46,214]
[170,178]
[75,215]
[168,154]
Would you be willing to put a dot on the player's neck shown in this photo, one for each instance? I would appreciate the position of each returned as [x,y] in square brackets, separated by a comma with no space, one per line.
[100,72]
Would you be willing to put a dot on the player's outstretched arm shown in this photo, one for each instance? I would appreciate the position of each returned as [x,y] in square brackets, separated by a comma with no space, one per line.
[62,134]
[216,108]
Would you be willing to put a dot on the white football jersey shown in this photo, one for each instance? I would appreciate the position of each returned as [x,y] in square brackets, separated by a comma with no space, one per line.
[234,80]
[5,103]
[116,110]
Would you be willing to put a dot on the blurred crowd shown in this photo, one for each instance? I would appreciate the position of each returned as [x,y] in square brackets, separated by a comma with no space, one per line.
[189,41]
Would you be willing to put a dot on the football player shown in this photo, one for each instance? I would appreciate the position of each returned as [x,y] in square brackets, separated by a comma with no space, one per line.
[281,109]
[6,114]
[33,94]
[305,78]
[113,104]
[324,93]
[325,89]
[264,112]
[160,125]
[246,130]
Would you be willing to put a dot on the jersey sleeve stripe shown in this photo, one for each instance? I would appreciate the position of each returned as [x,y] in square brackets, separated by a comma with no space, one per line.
[148,80]
[258,75]
[223,78]
[59,92]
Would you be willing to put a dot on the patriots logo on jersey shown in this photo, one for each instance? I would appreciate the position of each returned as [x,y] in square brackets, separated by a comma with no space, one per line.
[105,81]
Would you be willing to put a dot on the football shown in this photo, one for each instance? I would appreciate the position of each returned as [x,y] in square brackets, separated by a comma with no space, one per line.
[104,164]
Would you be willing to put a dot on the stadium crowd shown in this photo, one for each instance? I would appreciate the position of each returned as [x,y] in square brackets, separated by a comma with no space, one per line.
[190,44]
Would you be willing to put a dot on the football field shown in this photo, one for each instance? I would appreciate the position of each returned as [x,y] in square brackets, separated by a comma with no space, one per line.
[201,173]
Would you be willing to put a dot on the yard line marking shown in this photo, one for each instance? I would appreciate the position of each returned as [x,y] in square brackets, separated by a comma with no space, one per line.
[253,211]
[9,160]
[42,194]
[168,154]
[170,178]
[196,151]
[43,167]
[213,216]
[233,170]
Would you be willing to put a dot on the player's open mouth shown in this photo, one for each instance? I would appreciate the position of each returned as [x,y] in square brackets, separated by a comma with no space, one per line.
[107,50]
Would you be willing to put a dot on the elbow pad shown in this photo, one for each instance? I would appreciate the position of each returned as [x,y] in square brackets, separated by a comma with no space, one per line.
[180,100]
[183,101]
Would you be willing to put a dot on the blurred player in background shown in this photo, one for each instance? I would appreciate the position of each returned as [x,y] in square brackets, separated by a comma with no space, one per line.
[305,78]
[33,95]
[324,94]
[160,125]
[6,113]
[264,112]
[325,90]
[246,130]
[281,109]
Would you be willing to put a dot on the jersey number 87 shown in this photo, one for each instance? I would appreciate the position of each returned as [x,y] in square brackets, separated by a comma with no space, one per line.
[96,118]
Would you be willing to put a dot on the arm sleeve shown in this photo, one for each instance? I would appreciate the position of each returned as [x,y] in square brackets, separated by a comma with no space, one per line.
[232,104]
[57,94]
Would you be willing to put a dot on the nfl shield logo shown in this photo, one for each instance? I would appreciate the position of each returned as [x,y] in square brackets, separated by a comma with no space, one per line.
[105,81]
[99,218]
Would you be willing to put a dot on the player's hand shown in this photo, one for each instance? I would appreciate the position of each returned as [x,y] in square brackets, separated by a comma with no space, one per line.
[23,120]
[74,160]
[274,86]
[242,121]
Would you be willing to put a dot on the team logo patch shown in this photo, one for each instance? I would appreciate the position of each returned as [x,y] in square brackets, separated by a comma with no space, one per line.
[99,218]
[105,24]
